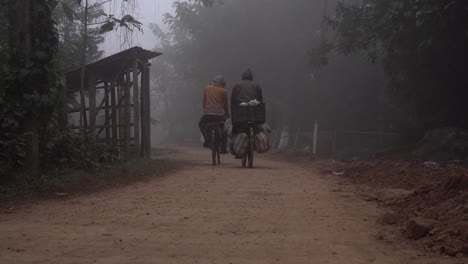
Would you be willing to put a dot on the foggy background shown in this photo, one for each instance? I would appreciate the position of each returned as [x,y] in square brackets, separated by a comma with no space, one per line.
[274,39]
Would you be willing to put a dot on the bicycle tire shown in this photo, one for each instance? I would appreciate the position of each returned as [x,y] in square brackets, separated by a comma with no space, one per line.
[251,148]
[218,144]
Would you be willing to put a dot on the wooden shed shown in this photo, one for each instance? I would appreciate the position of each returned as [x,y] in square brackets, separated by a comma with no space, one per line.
[117,90]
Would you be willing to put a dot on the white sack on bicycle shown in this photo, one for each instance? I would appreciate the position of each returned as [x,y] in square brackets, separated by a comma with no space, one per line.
[228,127]
[264,128]
[240,143]
[262,142]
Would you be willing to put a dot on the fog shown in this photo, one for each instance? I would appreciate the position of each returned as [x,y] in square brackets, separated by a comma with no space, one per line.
[147,12]
[273,38]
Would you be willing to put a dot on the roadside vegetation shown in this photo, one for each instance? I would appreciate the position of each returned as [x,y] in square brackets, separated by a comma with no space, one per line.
[72,181]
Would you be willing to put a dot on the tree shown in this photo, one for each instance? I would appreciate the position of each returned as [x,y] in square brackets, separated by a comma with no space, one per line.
[423,48]
[31,84]
[3,32]
[70,28]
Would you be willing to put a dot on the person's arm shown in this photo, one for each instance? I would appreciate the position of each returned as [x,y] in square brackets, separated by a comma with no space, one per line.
[235,90]
[260,95]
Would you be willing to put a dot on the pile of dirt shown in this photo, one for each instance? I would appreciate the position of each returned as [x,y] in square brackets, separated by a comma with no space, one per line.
[430,200]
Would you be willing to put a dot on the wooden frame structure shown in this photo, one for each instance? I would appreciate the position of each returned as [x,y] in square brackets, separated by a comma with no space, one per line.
[122,81]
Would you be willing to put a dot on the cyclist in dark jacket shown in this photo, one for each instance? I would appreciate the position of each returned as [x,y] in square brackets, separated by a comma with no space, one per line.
[244,92]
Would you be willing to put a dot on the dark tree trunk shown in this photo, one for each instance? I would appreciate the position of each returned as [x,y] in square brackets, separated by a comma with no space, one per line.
[20,28]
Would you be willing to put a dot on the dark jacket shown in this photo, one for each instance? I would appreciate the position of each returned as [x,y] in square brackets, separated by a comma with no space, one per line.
[246,90]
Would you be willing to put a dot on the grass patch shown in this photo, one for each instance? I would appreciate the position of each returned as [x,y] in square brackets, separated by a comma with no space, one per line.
[82,181]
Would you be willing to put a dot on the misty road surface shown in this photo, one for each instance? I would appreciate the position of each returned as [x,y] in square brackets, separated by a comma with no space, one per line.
[275,213]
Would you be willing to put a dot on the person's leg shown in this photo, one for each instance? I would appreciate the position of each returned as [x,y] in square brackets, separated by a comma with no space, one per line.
[224,139]
[202,126]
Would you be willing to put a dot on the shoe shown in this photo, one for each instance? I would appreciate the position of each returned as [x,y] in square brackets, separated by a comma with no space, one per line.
[224,152]
[238,157]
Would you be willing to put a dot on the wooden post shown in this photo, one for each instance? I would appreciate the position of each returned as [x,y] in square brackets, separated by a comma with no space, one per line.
[106,110]
[92,106]
[120,117]
[314,147]
[114,115]
[143,113]
[136,109]
[148,111]
[127,114]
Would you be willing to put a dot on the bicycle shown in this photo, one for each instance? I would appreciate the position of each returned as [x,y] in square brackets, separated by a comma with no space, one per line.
[215,134]
[248,116]
[248,158]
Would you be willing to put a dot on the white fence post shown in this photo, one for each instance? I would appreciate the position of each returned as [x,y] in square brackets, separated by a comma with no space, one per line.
[284,141]
[314,147]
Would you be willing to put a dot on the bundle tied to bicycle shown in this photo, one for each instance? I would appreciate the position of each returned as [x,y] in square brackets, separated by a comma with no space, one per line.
[254,113]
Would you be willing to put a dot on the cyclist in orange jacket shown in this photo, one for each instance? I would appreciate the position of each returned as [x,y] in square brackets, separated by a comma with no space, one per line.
[215,108]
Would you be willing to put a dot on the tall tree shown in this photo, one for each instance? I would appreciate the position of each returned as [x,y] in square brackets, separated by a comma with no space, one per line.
[70,28]
[32,83]
[3,32]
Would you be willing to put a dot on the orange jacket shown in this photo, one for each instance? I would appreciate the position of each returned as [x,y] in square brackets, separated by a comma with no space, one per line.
[215,100]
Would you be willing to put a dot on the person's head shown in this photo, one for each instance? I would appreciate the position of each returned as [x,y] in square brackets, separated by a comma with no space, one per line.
[247,75]
[219,81]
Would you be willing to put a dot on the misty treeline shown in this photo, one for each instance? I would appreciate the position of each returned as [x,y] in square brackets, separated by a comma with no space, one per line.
[39,41]
[422,46]
[370,65]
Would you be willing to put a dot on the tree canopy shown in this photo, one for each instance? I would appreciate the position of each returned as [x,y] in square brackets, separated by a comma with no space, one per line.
[70,28]
[423,46]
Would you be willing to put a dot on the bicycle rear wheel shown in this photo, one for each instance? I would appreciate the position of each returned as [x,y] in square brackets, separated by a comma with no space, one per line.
[251,148]
[218,144]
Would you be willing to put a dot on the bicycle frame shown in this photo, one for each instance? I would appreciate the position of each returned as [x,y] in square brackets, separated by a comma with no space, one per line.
[214,131]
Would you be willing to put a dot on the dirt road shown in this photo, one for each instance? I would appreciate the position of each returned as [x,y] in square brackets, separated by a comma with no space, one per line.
[275,213]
